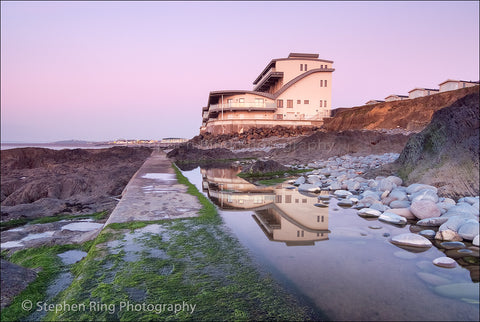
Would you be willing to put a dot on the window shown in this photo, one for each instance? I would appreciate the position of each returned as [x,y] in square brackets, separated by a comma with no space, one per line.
[288,199]
[279,103]
[321,83]
[306,102]
[305,67]
[258,102]
[321,66]
[289,103]
[301,67]
[304,200]
[299,101]
[321,103]
[278,199]
[229,102]
[325,83]
[300,233]
[324,103]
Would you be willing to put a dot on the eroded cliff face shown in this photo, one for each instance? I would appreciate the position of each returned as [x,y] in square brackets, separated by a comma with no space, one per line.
[410,115]
[39,182]
[446,153]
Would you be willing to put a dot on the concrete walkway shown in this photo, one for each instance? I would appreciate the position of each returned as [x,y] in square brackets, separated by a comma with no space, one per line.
[153,193]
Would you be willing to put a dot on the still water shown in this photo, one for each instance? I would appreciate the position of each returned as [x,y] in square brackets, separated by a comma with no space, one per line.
[343,264]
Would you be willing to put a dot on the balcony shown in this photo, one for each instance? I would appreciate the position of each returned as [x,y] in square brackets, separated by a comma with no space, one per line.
[268,80]
[243,106]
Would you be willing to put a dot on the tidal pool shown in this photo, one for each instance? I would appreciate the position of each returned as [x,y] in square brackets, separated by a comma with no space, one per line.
[341,263]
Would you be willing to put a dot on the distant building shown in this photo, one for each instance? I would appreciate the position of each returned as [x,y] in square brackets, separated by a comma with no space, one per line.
[292,91]
[395,97]
[371,102]
[420,92]
[451,84]
[173,140]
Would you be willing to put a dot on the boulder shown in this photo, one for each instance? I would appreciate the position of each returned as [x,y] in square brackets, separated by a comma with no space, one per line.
[369,213]
[410,239]
[425,209]
[299,181]
[396,180]
[404,212]
[453,223]
[411,189]
[446,262]
[425,194]
[462,209]
[448,235]
[475,241]
[309,187]
[392,218]
[433,221]
[469,229]
[400,204]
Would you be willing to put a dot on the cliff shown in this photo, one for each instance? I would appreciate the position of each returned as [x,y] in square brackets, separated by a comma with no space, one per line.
[446,153]
[410,115]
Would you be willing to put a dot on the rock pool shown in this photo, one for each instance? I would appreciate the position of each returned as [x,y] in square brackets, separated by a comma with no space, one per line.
[343,264]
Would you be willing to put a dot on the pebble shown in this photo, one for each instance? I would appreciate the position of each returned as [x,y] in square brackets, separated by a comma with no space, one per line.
[427,233]
[375,227]
[475,241]
[446,262]
[410,239]
[452,245]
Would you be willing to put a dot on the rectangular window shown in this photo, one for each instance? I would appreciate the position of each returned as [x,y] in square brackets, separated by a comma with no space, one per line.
[306,102]
[321,66]
[304,200]
[325,83]
[279,103]
[299,101]
[322,218]
[301,67]
[288,199]
[289,103]
[321,103]
[321,83]
[305,67]
[278,199]
[324,103]
[229,102]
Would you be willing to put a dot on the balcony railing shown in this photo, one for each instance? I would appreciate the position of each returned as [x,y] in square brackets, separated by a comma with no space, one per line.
[242,106]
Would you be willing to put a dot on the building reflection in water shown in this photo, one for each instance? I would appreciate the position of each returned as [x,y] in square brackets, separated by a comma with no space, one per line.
[284,215]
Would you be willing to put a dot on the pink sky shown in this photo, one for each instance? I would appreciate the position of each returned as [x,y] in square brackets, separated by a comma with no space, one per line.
[107,70]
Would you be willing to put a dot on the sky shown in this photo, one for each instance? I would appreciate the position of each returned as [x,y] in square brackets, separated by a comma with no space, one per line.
[100,71]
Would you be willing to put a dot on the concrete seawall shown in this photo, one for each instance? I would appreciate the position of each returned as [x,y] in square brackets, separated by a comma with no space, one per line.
[154,193]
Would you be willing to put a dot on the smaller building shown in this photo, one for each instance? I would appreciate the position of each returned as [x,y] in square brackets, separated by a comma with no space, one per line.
[371,102]
[451,84]
[395,97]
[420,92]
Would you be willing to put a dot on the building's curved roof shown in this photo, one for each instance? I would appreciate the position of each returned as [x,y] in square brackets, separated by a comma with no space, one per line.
[300,77]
